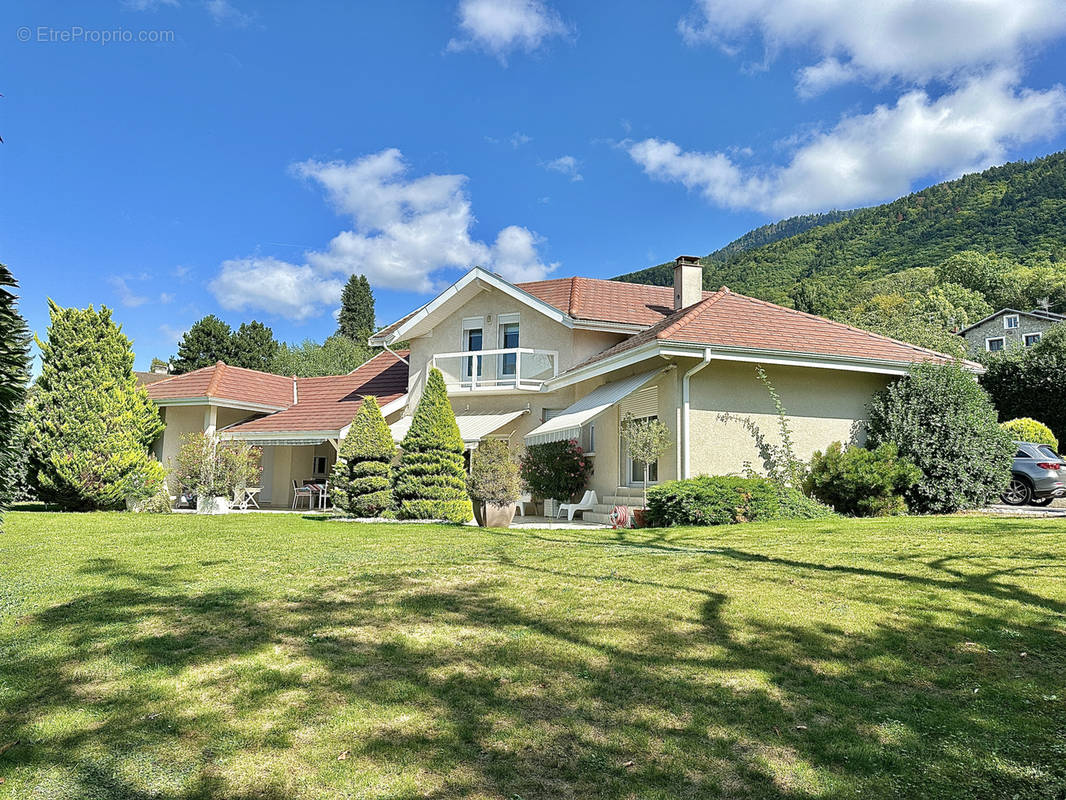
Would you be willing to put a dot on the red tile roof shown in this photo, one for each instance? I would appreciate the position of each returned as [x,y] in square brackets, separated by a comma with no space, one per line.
[595,299]
[223,382]
[726,319]
[330,403]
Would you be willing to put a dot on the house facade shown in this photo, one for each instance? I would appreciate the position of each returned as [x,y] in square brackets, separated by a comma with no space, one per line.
[1009,327]
[569,358]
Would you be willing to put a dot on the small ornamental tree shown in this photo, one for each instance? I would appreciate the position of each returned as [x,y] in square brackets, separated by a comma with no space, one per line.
[555,470]
[208,467]
[430,481]
[89,423]
[493,474]
[14,362]
[361,483]
[645,440]
[943,422]
[1027,429]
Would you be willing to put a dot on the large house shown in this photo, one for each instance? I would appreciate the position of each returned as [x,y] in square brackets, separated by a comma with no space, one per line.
[1009,327]
[569,358]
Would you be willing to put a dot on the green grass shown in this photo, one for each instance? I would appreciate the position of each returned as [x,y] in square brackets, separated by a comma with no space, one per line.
[260,656]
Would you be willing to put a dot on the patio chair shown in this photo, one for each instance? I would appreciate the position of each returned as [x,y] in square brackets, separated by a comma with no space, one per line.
[301,491]
[587,503]
[523,501]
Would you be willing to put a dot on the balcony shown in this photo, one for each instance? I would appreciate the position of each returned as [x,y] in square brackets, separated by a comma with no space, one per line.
[504,370]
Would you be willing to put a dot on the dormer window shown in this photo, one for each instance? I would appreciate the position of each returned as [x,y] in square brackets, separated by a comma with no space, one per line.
[1010,322]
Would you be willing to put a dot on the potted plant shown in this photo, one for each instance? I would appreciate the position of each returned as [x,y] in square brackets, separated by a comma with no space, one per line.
[555,470]
[493,484]
[645,440]
[213,470]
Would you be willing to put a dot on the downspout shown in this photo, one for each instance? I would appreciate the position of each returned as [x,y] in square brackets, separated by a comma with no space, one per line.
[686,460]
[385,344]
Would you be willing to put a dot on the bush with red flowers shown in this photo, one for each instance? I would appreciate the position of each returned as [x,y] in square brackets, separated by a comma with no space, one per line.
[556,470]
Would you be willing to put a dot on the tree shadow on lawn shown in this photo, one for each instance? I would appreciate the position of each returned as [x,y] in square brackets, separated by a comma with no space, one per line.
[528,681]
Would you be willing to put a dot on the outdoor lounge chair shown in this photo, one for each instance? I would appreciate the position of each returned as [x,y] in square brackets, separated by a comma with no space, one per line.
[301,491]
[522,502]
[585,504]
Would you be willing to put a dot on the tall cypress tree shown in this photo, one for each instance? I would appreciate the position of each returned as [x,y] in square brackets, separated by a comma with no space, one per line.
[14,369]
[356,320]
[89,423]
[360,483]
[430,479]
[207,341]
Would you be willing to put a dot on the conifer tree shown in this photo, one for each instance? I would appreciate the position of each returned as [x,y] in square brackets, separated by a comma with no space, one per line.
[430,479]
[89,423]
[356,320]
[253,346]
[361,483]
[14,363]
[207,341]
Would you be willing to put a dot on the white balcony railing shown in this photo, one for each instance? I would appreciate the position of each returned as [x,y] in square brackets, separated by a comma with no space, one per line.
[506,369]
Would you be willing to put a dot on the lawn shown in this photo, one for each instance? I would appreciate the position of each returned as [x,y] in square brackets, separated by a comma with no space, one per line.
[270,656]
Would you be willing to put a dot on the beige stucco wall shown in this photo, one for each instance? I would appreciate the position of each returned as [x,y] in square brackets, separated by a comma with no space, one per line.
[823,406]
[535,331]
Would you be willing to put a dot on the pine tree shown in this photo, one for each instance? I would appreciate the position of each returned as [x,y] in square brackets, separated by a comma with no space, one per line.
[254,346]
[356,320]
[14,364]
[360,484]
[207,341]
[89,423]
[430,481]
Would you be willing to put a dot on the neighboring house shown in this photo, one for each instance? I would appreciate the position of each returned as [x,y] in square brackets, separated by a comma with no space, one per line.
[298,422]
[144,378]
[569,358]
[1009,327]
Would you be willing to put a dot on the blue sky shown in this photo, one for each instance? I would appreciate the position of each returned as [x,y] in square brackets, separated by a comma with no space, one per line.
[261,152]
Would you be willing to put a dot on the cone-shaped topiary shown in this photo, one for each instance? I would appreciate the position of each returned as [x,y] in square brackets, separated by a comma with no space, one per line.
[360,484]
[89,423]
[430,480]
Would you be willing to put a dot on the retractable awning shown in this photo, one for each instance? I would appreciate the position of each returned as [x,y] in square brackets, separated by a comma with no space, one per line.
[472,427]
[567,425]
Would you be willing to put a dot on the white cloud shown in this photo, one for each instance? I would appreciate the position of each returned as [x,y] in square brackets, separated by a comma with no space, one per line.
[224,11]
[148,5]
[293,291]
[171,335]
[566,165]
[126,295]
[404,231]
[872,157]
[502,26]
[912,40]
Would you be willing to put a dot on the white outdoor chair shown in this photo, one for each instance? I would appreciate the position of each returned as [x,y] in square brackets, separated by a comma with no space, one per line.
[523,501]
[301,491]
[585,504]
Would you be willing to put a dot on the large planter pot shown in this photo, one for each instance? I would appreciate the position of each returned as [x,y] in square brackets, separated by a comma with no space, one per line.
[212,505]
[490,515]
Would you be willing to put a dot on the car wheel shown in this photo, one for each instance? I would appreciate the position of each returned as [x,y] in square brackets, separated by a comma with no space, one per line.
[1018,492]
[1043,501]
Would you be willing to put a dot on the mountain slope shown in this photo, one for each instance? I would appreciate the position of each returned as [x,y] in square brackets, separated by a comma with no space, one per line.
[1017,211]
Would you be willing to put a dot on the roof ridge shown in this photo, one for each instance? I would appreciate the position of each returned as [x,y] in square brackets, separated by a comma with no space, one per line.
[691,313]
[216,379]
[871,334]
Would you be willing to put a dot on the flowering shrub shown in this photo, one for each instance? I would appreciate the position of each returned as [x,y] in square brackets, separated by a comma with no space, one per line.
[556,470]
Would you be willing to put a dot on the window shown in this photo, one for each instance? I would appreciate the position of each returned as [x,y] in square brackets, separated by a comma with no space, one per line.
[1010,322]
[473,341]
[1031,339]
[508,340]
[994,345]
[320,465]
[592,439]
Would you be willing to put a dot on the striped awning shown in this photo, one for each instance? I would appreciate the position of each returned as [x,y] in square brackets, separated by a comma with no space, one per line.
[567,425]
[267,441]
[472,427]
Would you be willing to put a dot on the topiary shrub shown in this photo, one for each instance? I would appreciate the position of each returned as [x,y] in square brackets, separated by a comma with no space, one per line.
[555,470]
[493,474]
[943,422]
[361,480]
[430,482]
[1027,429]
[861,482]
[89,423]
[712,500]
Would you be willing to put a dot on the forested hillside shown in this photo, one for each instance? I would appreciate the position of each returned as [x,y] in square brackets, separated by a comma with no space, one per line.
[920,266]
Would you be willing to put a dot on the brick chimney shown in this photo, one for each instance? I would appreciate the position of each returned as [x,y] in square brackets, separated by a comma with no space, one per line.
[688,281]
